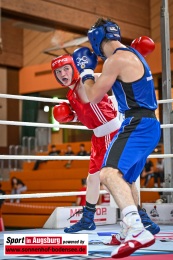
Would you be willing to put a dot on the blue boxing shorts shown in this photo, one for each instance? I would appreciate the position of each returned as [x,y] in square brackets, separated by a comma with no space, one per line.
[130,147]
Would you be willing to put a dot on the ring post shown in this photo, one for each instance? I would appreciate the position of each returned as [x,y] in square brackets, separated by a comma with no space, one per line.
[166,92]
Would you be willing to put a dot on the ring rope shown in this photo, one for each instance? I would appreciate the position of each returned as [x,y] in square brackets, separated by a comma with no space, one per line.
[44,157]
[46,195]
[160,155]
[58,100]
[5,122]
[163,101]
[71,193]
[166,126]
[62,157]
[157,189]
[51,100]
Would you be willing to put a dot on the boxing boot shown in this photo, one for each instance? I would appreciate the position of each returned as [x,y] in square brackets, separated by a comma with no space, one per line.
[117,239]
[85,223]
[137,237]
[148,223]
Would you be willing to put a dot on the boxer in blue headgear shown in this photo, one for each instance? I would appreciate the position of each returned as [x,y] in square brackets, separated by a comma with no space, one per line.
[103,30]
[128,75]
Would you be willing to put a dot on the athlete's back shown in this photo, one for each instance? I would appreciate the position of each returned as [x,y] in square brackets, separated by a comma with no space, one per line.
[137,94]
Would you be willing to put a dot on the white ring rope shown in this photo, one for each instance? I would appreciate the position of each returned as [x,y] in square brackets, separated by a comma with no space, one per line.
[44,157]
[51,100]
[160,156]
[66,157]
[73,193]
[157,189]
[47,195]
[167,126]
[17,123]
[58,100]
[4,122]
[163,101]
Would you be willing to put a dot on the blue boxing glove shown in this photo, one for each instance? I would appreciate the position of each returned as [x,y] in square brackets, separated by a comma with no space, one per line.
[86,62]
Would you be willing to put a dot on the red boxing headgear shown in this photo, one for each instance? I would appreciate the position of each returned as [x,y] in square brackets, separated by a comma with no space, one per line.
[61,61]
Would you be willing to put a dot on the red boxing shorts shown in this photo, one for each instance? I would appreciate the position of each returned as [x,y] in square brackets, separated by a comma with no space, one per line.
[99,146]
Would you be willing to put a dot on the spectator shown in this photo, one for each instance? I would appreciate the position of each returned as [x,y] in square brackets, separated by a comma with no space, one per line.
[148,172]
[69,152]
[159,173]
[81,199]
[53,151]
[17,186]
[82,151]
[2,192]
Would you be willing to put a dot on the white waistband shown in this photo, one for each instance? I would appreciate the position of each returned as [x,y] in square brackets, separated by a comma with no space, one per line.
[107,128]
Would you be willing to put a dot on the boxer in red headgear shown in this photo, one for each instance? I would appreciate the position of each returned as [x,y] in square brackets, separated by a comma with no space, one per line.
[62,66]
[101,118]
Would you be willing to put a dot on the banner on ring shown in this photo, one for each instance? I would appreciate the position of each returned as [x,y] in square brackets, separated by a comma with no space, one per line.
[60,216]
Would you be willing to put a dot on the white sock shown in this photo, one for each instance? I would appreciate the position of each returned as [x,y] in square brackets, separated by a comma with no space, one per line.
[131,217]
[129,209]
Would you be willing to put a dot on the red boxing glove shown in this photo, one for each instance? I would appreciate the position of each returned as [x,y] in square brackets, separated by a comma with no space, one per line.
[144,45]
[63,113]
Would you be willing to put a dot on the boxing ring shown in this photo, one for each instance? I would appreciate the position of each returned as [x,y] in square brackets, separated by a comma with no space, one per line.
[96,248]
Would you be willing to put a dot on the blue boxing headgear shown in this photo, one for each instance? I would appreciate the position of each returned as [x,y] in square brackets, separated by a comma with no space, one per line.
[106,30]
